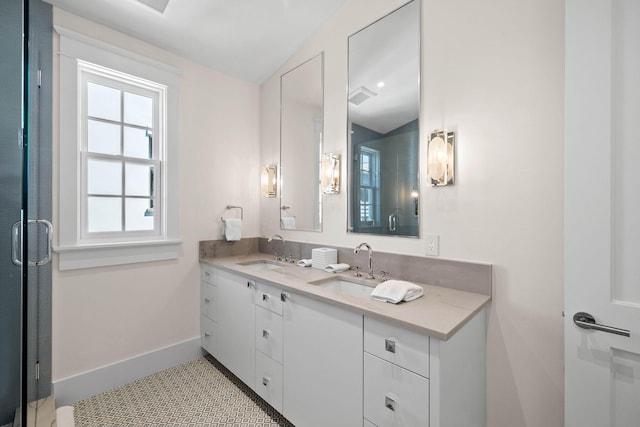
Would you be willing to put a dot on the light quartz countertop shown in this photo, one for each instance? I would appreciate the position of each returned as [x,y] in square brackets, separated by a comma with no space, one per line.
[440,312]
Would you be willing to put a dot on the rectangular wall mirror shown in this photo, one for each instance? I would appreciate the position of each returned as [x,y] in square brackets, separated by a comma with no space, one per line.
[301,125]
[383,125]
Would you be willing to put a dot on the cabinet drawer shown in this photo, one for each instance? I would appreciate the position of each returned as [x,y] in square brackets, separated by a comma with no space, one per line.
[269,380]
[269,333]
[207,274]
[208,300]
[268,296]
[401,346]
[394,396]
[208,335]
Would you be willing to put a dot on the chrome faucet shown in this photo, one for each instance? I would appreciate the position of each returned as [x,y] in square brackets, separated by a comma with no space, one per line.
[277,236]
[366,245]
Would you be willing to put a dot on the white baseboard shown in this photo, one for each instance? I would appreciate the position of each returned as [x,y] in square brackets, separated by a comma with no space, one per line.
[81,386]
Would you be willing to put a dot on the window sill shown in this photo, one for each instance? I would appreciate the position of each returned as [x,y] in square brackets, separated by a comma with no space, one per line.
[102,255]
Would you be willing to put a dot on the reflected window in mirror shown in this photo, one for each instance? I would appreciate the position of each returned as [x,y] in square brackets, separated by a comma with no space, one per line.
[369,186]
[301,148]
[383,120]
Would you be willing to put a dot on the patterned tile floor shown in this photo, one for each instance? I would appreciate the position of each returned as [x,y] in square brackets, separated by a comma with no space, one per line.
[198,393]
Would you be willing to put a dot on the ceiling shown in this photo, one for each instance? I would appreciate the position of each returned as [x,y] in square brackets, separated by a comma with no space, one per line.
[384,61]
[248,39]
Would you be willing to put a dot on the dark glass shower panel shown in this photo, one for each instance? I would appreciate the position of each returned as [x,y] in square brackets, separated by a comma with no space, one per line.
[10,206]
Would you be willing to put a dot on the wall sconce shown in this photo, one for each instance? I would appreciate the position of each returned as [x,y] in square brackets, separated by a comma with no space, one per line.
[331,173]
[269,180]
[415,195]
[441,158]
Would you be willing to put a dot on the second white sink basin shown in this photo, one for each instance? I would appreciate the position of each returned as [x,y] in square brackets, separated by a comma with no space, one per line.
[345,287]
[262,264]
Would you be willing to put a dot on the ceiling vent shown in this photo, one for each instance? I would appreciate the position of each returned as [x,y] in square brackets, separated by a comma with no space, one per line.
[360,95]
[159,5]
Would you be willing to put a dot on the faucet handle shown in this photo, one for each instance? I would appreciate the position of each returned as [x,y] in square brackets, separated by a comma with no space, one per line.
[383,278]
[358,272]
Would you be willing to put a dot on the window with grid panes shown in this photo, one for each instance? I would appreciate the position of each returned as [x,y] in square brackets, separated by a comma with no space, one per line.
[121,147]
[369,186]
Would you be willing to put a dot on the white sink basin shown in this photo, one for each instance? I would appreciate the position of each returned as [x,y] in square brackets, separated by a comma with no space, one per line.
[345,287]
[262,264]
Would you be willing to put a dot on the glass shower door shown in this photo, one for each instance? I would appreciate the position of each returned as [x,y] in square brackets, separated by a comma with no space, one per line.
[12,182]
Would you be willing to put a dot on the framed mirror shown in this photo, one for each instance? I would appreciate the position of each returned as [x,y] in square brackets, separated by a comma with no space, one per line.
[301,128]
[383,125]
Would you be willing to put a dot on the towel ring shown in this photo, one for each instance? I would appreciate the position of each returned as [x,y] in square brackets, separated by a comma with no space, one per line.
[234,207]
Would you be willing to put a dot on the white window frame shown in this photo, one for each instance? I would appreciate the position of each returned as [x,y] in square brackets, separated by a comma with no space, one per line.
[91,73]
[76,248]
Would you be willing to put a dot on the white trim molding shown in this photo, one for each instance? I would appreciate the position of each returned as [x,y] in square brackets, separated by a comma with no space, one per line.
[90,383]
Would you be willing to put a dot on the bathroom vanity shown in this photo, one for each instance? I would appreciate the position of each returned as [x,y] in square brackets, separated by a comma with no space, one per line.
[323,355]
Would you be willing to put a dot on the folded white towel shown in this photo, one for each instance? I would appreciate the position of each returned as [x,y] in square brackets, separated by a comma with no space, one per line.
[337,268]
[394,291]
[288,222]
[304,263]
[232,229]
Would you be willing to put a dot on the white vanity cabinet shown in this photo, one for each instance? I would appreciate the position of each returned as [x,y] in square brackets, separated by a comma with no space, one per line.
[396,375]
[208,309]
[322,363]
[411,379]
[269,345]
[235,321]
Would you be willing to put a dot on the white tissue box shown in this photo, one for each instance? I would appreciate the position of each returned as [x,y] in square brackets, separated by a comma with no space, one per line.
[321,257]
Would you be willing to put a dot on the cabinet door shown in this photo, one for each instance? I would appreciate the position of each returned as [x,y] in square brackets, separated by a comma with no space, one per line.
[269,380]
[394,396]
[268,297]
[208,335]
[208,300]
[397,345]
[236,326]
[322,364]
[269,333]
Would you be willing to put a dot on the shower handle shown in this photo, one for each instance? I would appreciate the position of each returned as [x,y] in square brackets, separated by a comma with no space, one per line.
[393,222]
[15,242]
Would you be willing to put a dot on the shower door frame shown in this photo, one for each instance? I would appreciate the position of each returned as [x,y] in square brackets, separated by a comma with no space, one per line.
[26,135]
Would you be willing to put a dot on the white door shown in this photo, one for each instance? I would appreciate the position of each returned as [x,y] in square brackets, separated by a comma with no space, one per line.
[602,212]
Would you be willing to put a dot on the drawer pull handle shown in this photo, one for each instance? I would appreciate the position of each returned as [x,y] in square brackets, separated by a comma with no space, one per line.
[207,334]
[206,273]
[390,402]
[389,345]
[266,333]
[266,381]
[249,284]
[265,297]
[284,297]
[207,300]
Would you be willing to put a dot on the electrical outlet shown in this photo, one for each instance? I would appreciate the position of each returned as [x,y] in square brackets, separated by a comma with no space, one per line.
[433,244]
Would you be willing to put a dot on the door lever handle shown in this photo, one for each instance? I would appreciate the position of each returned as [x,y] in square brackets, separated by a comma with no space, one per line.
[586,321]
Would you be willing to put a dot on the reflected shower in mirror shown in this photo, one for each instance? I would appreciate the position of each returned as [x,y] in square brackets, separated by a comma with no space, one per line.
[301,124]
[383,135]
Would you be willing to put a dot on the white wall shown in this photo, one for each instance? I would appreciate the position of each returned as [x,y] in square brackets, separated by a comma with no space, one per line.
[493,72]
[104,315]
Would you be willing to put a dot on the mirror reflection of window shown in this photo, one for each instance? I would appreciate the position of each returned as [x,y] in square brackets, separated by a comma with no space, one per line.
[383,125]
[369,187]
